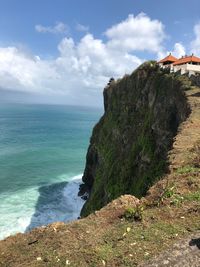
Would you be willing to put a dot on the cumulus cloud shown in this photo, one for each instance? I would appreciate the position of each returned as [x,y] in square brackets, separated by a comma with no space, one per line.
[178,51]
[59,27]
[195,44]
[23,72]
[82,28]
[137,33]
[82,68]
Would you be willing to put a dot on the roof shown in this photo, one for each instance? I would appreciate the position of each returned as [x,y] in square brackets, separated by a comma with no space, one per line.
[187,59]
[168,58]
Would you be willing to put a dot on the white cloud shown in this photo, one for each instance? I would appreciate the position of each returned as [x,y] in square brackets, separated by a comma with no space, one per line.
[59,27]
[195,44]
[82,69]
[82,28]
[20,71]
[137,33]
[178,51]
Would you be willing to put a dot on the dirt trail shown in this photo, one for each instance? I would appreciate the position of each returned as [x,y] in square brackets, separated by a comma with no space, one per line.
[189,132]
[183,158]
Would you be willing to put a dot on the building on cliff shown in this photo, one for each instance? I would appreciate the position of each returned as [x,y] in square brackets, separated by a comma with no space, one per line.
[185,64]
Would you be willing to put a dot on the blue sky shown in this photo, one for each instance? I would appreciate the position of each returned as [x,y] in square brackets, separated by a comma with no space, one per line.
[67,50]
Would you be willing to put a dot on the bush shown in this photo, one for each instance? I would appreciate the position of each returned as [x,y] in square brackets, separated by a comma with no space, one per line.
[135,214]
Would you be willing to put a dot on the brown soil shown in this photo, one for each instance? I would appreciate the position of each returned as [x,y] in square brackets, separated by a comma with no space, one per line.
[169,214]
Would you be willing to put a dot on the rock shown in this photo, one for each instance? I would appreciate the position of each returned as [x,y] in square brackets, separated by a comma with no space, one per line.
[104,263]
[184,253]
[129,145]
[67,262]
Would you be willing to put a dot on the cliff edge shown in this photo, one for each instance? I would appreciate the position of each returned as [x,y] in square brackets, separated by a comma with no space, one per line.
[162,227]
[128,148]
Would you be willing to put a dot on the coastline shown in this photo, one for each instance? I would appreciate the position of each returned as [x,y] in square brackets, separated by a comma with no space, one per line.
[42,147]
[62,203]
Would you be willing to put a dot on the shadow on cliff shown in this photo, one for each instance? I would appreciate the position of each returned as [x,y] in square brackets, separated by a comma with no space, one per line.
[196,95]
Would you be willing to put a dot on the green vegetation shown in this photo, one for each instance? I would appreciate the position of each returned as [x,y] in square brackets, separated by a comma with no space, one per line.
[134,213]
[134,135]
[187,169]
[195,196]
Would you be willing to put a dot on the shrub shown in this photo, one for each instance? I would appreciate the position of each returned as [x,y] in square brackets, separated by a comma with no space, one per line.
[134,213]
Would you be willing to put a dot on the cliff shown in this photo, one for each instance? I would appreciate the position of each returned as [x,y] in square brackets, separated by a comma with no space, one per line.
[160,229]
[129,145]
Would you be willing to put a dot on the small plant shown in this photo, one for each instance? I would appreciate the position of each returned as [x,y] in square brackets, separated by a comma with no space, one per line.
[177,200]
[138,216]
[168,192]
[129,213]
[134,213]
[193,196]
[186,169]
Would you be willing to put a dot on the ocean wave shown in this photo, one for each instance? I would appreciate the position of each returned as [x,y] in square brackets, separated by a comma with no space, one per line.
[37,206]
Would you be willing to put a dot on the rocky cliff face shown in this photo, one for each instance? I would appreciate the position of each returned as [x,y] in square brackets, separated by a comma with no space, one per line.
[129,145]
[195,80]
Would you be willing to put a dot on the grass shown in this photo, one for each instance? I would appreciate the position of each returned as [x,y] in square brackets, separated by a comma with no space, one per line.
[195,196]
[187,169]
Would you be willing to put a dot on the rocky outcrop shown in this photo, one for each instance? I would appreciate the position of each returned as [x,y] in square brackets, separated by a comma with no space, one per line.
[184,253]
[195,79]
[129,145]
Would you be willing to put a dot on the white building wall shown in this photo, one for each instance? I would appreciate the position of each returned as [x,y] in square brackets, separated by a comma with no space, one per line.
[167,66]
[190,68]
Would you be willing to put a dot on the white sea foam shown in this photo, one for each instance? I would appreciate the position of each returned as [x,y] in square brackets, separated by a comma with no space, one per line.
[16,210]
[32,207]
[73,201]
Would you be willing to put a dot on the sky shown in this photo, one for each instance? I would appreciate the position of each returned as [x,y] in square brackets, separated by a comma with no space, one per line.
[64,51]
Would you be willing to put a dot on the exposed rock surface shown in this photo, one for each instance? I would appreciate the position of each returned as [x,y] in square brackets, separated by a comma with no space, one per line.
[184,253]
[129,145]
[195,79]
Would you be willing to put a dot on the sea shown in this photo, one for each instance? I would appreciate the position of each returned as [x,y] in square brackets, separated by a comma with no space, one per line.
[42,157]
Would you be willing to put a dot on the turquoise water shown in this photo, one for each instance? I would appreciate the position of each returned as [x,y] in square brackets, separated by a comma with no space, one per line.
[42,157]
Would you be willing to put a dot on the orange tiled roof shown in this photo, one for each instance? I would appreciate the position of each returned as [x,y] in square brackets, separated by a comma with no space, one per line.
[187,59]
[168,58]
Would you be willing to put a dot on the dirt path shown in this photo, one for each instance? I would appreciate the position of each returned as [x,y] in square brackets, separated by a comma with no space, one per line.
[189,132]
[183,158]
